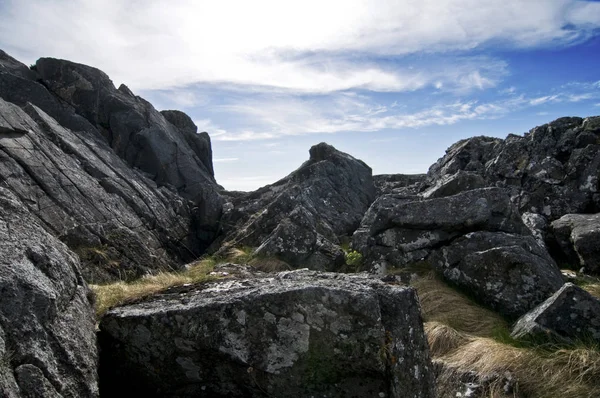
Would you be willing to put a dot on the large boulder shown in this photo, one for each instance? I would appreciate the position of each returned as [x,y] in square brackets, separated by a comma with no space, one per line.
[121,223]
[139,134]
[553,170]
[302,217]
[577,238]
[507,272]
[399,230]
[570,314]
[47,325]
[294,334]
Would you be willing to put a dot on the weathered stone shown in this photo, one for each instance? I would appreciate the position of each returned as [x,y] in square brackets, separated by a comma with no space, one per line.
[407,184]
[578,237]
[47,326]
[506,272]
[453,184]
[58,162]
[301,217]
[295,334]
[399,230]
[569,314]
[140,135]
[552,170]
[119,221]
[537,226]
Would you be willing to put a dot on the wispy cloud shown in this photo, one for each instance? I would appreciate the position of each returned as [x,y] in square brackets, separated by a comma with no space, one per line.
[310,46]
[351,112]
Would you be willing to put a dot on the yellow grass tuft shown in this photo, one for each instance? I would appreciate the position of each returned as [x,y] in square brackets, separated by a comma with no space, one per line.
[443,304]
[468,338]
[539,372]
[110,295]
[593,289]
[442,338]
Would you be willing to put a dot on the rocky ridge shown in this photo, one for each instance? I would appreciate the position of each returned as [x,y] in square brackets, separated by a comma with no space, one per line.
[97,185]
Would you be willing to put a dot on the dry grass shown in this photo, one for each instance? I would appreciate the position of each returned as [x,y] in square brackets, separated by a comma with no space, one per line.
[110,295]
[443,339]
[443,304]
[593,289]
[113,294]
[468,338]
[539,372]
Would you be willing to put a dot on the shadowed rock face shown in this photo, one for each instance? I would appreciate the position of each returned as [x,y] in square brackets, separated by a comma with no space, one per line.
[301,218]
[578,239]
[54,155]
[506,272]
[295,334]
[47,326]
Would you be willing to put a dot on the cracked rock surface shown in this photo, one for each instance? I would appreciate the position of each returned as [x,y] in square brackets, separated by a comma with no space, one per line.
[301,218]
[61,161]
[47,325]
[293,334]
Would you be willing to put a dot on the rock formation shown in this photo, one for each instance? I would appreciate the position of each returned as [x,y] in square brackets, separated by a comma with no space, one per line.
[47,326]
[552,170]
[293,334]
[301,218]
[475,239]
[96,185]
[55,155]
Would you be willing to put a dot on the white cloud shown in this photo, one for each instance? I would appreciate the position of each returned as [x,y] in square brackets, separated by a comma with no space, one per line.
[288,115]
[310,46]
[543,100]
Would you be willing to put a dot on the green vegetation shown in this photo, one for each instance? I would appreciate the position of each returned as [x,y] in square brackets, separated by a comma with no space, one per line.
[467,337]
[354,259]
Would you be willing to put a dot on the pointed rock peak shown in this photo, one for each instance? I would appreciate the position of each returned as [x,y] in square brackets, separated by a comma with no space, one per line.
[10,65]
[126,90]
[324,151]
[180,120]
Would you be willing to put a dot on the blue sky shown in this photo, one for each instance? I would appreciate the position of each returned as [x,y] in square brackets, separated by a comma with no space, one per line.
[393,83]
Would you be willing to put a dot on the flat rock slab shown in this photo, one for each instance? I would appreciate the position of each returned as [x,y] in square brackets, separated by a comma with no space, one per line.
[570,314]
[296,334]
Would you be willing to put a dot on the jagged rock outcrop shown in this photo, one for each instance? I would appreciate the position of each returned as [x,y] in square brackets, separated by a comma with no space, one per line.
[294,334]
[120,222]
[398,230]
[301,218]
[448,185]
[577,240]
[552,170]
[138,133]
[475,239]
[570,314]
[47,325]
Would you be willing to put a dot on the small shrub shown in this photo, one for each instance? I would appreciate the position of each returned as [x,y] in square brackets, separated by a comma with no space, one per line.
[354,258]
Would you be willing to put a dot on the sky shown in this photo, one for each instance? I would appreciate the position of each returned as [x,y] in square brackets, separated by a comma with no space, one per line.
[393,83]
